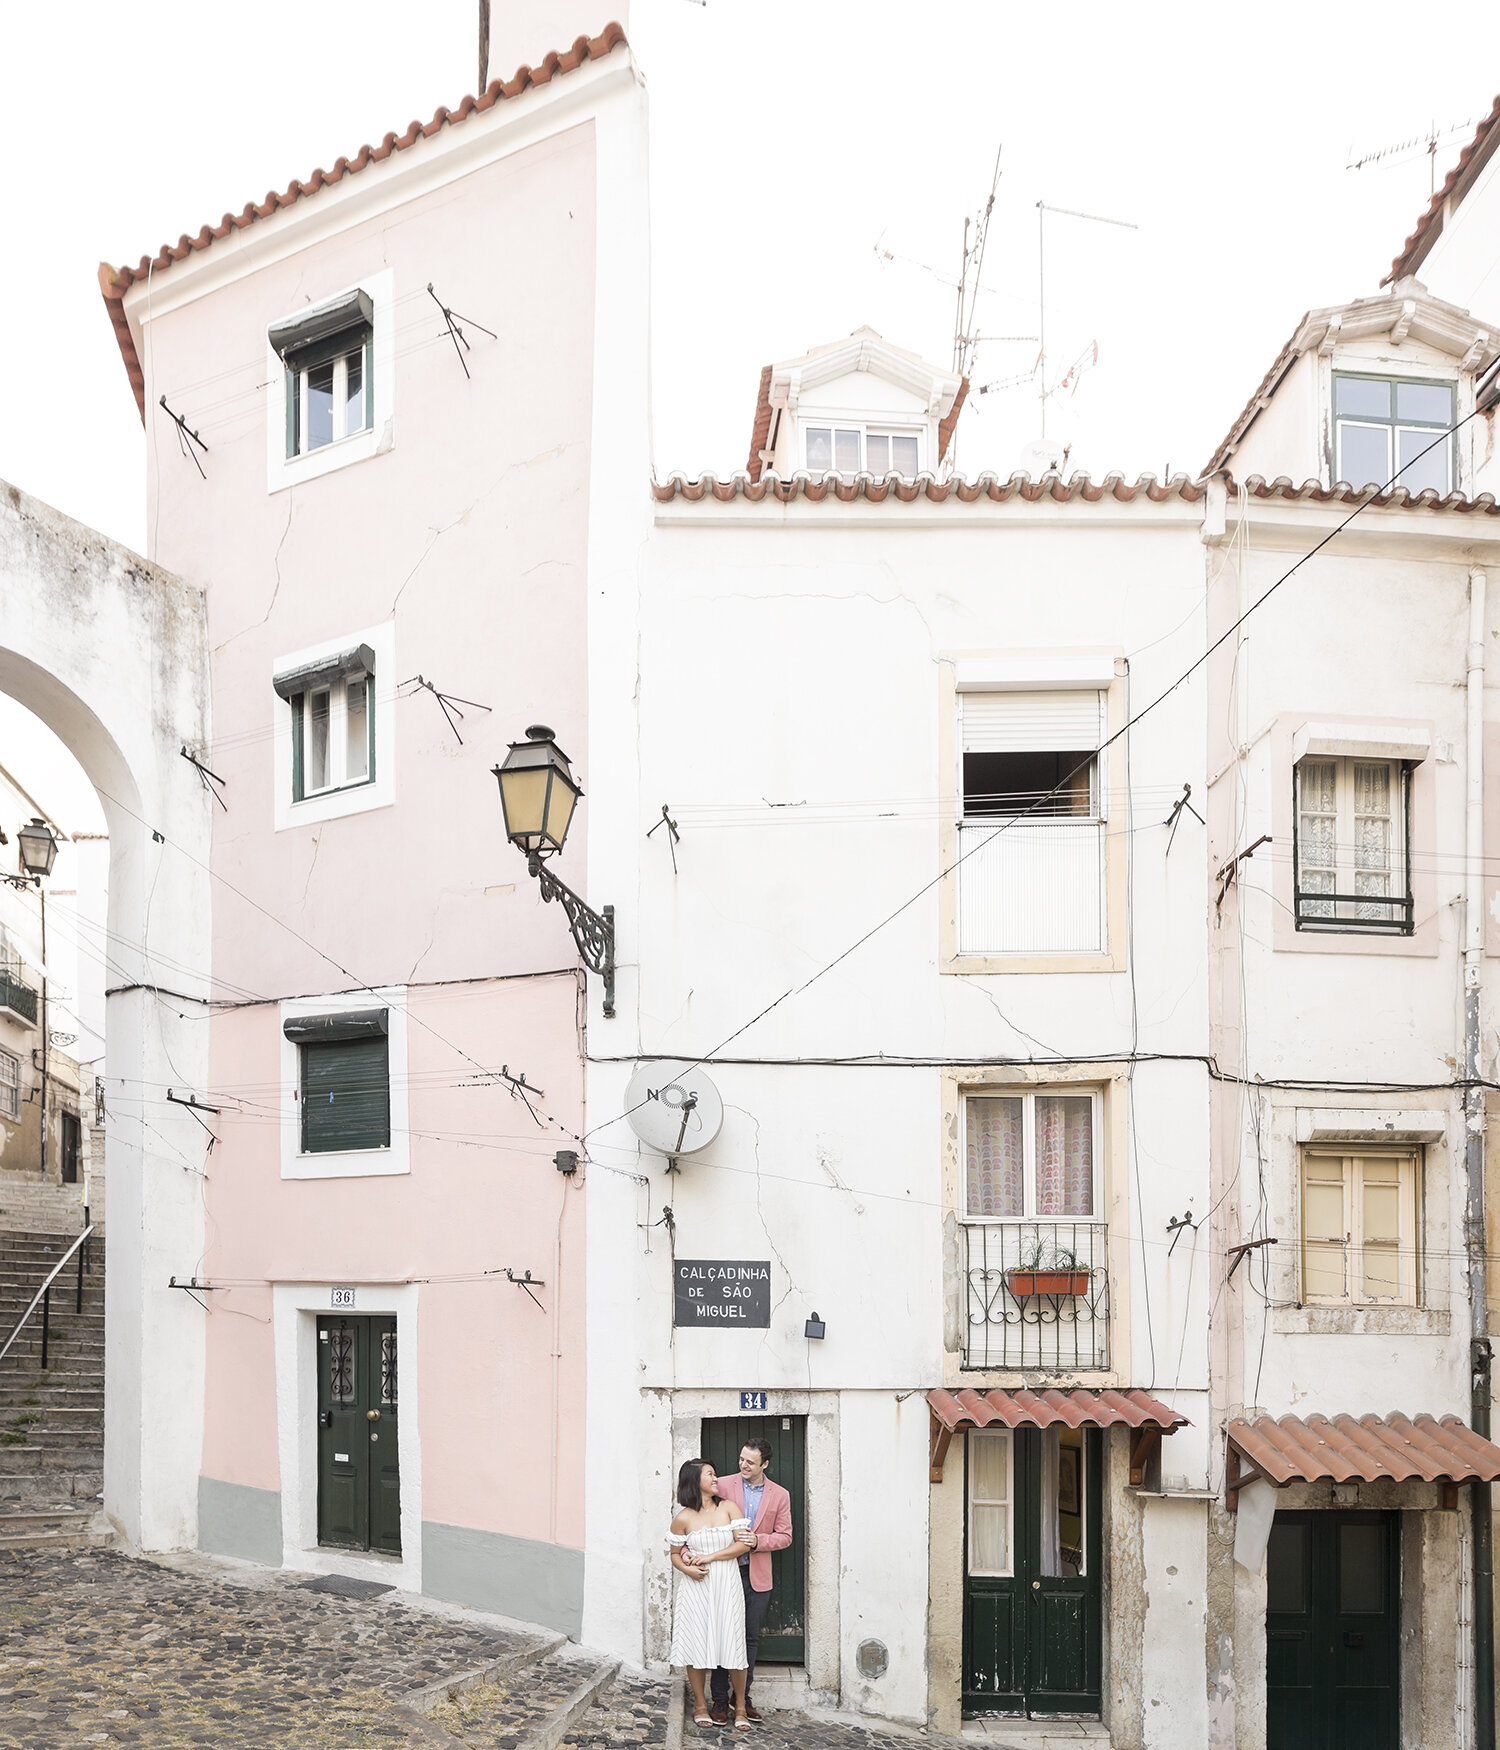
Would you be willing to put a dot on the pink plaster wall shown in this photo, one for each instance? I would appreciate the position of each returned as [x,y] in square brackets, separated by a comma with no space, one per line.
[471,533]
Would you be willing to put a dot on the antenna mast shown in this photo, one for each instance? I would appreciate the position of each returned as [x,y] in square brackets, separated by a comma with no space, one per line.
[965,321]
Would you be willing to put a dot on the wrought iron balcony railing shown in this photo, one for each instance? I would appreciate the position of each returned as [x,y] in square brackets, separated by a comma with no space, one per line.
[19,998]
[1036,1296]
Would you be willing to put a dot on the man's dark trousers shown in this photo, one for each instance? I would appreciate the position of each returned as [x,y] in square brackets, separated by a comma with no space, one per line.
[756,1606]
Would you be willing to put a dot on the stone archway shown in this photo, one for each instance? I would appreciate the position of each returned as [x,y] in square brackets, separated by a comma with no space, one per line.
[111,653]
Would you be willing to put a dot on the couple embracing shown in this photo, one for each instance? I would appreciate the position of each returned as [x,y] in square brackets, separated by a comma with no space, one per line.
[721,1542]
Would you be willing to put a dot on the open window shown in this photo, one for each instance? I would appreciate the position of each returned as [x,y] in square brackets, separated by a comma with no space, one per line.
[1032,832]
[328,356]
[333,722]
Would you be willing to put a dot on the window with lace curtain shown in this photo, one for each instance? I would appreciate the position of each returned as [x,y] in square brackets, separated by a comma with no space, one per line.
[1030,1156]
[1353,861]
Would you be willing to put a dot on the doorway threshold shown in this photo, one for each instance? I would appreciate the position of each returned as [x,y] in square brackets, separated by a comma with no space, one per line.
[1056,1734]
[376,1565]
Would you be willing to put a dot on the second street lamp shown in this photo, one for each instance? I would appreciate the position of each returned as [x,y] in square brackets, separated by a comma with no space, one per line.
[38,850]
[538,794]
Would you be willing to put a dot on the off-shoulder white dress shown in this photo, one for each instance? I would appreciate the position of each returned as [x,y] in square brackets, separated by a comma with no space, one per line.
[708,1616]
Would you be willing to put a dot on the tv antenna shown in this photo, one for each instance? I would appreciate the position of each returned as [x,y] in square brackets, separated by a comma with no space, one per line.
[965,332]
[1437,134]
[1042,210]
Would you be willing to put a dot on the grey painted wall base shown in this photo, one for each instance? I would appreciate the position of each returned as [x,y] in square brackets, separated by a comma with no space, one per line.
[236,1520]
[513,1576]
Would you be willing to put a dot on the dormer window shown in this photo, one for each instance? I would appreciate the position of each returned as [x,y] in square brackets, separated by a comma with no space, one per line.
[856,449]
[1385,426]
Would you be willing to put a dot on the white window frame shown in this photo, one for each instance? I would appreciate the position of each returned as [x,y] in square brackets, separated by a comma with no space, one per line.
[1028,1097]
[363,1163]
[1351,1159]
[864,431]
[338,734]
[1387,920]
[1392,428]
[10,1085]
[375,437]
[336,801]
[342,431]
[1009,1504]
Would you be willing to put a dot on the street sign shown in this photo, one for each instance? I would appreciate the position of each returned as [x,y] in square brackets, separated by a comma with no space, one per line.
[752,1400]
[722,1291]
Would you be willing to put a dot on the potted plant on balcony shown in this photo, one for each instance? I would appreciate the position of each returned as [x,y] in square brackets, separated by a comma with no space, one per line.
[1047,1269]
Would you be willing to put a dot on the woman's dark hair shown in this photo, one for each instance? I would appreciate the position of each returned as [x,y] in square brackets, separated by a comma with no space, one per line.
[690,1484]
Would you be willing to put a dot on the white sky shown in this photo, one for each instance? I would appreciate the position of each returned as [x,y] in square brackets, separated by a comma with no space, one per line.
[787,139]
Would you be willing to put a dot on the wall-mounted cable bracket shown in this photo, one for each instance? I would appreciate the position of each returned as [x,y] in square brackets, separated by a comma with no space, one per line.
[455,330]
[527,1282]
[448,702]
[1238,1253]
[204,777]
[184,433]
[1176,815]
[1231,868]
[673,836]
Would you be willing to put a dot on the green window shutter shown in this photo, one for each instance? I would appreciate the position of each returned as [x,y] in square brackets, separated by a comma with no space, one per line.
[346,1095]
[370,721]
[370,416]
[293,433]
[297,780]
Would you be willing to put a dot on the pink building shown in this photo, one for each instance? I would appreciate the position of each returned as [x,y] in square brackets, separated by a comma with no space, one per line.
[389,503]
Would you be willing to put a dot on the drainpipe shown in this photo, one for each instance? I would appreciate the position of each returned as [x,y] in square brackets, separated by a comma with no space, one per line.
[1474,1211]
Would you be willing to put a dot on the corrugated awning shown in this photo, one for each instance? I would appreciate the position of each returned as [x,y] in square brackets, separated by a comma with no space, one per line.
[1135,1409]
[1346,1449]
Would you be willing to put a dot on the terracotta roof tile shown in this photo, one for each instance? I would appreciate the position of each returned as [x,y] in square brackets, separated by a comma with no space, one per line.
[1398,498]
[1349,1449]
[1047,1408]
[115,281]
[948,425]
[906,491]
[760,432]
[1429,227]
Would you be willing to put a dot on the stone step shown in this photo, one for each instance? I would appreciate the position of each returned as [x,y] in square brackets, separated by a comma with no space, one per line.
[19,1396]
[48,1485]
[534,1709]
[52,1458]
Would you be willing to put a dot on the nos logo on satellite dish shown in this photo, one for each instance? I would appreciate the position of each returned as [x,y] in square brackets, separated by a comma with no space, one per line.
[674,1108]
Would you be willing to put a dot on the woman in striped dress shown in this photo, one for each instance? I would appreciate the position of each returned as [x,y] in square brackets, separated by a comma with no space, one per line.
[708,1615]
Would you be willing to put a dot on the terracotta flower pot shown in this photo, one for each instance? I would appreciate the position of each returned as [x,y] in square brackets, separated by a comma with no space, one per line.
[1028,1284]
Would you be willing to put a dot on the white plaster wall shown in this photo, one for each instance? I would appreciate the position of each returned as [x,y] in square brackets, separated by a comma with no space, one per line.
[1175,1696]
[110,652]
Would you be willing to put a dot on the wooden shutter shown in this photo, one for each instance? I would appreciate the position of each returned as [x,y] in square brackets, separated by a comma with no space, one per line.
[1051,721]
[346,1095]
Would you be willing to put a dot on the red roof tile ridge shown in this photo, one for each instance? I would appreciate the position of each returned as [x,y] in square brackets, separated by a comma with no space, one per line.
[1414,250]
[115,281]
[1394,498]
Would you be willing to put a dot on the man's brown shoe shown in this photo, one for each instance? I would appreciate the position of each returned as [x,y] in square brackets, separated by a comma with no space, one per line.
[752,1713]
[719,1713]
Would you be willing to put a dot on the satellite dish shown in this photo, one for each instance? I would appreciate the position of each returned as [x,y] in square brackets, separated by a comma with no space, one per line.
[674,1107]
[1043,456]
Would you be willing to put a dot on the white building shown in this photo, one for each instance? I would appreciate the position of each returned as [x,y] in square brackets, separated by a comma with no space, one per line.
[959,1042]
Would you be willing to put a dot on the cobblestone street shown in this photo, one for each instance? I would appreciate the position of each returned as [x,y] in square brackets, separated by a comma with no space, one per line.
[100,1648]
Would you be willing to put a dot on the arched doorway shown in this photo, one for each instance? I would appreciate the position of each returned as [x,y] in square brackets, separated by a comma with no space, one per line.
[109,652]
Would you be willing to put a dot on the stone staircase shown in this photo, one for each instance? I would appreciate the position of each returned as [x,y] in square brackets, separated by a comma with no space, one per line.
[30,1205]
[52,1423]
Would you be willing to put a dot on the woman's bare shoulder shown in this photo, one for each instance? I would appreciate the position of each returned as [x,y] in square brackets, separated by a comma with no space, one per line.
[683,1521]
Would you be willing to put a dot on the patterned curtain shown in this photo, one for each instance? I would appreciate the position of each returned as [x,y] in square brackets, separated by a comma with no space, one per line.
[1064,1154]
[996,1161]
[1372,834]
[1317,832]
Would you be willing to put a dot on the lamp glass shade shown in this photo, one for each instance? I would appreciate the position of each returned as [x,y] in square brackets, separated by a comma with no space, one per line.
[38,848]
[537,794]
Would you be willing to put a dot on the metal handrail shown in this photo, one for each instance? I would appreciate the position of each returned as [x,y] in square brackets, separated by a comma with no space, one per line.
[44,1292]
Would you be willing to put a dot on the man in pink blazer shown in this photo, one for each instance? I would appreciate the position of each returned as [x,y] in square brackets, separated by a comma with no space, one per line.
[769,1509]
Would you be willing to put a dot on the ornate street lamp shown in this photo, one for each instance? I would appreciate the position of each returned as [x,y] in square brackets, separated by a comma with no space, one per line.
[538,794]
[38,849]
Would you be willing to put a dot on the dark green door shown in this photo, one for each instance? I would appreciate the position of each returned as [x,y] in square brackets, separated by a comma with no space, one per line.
[783,1640]
[1032,1572]
[1333,1583]
[359,1470]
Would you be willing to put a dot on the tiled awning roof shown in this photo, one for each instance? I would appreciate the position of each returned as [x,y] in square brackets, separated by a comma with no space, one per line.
[1044,1409]
[1456,184]
[1348,1449]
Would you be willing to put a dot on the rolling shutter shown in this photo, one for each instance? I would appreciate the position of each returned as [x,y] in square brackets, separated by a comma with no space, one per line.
[346,1093]
[1049,721]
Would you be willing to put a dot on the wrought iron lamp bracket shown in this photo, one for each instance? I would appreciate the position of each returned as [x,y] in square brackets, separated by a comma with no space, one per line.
[593,931]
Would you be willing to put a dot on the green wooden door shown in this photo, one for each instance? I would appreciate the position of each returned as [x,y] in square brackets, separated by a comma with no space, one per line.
[359,1463]
[1333,1585]
[1032,1592]
[783,1640]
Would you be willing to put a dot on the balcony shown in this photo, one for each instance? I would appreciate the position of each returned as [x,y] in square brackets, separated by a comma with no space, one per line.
[1020,1313]
[19,998]
[1031,887]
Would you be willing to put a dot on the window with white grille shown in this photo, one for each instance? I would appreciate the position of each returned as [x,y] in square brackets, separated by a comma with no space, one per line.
[1032,833]
[10,1085]
[1353,861]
